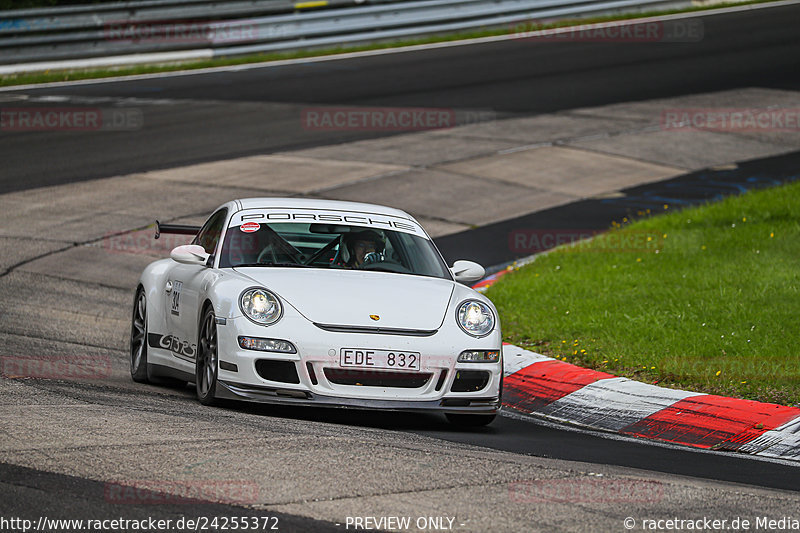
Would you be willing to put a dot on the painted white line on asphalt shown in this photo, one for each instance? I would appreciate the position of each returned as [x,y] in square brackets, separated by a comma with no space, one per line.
[386,51]
[613,403]
[108,61]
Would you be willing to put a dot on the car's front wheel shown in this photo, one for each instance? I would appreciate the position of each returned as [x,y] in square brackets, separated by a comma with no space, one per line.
[139,338]
[207,359]
[466,420]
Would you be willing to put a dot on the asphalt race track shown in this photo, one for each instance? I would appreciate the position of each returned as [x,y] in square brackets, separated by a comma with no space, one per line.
[315,467]
[206,117]
[597,214]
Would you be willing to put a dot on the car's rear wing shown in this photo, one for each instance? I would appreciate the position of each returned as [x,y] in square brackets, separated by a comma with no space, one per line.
[180,229]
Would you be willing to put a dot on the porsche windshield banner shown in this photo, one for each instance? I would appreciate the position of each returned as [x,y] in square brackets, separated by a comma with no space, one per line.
[250,219]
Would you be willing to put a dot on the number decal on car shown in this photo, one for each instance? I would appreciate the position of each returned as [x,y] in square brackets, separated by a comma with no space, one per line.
[176,298]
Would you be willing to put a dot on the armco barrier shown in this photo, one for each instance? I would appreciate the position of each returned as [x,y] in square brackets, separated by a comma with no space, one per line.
[175,30]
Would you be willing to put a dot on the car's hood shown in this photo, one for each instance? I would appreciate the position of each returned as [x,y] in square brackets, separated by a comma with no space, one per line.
[348,298]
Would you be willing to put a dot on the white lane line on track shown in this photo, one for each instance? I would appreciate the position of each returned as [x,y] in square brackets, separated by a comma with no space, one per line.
[412,48]
[99,100]
[111,61]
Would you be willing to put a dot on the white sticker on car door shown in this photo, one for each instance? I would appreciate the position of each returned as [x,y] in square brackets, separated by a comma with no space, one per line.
[176,298]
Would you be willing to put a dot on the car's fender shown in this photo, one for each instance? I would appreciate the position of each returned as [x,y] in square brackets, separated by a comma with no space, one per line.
[223,290]
[153,280]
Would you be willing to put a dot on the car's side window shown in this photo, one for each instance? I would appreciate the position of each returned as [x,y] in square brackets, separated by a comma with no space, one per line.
[210,233]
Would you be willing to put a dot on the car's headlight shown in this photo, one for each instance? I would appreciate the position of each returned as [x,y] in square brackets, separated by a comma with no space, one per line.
[475,318]
[260,306]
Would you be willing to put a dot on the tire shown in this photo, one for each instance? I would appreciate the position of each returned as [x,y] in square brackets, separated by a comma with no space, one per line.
[464,420]
[207,365]
[138,346]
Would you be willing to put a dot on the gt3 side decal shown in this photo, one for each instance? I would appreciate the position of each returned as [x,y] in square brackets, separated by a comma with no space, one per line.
[173,344]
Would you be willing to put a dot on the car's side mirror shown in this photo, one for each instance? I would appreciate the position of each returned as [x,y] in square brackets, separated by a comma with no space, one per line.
[467,271]
[189,254]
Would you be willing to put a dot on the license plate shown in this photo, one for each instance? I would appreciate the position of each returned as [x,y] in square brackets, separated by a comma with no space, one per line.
[364,358]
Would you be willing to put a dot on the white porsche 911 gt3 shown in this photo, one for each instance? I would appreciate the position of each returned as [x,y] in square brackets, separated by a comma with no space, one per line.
[318,302]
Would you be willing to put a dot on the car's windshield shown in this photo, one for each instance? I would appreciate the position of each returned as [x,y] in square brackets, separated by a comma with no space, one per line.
[330,246]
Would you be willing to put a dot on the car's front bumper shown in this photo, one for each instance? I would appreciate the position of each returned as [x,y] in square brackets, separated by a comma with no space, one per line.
[238,391]
[318,351]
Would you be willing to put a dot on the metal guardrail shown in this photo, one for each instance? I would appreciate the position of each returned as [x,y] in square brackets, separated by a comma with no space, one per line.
[93,15]
[174,30]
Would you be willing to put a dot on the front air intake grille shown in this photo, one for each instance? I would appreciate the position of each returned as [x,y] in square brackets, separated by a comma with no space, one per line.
[311,374]
[470,381]
[376,330]
[376,378]
[280,371]
[442,377]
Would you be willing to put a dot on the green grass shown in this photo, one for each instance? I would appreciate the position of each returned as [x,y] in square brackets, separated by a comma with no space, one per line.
[704,299]
[85,74]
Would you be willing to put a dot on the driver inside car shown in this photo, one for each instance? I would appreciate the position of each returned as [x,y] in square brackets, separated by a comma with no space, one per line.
[363,247]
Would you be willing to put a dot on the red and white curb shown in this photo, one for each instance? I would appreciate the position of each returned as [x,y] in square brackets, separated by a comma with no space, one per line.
[566,393]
